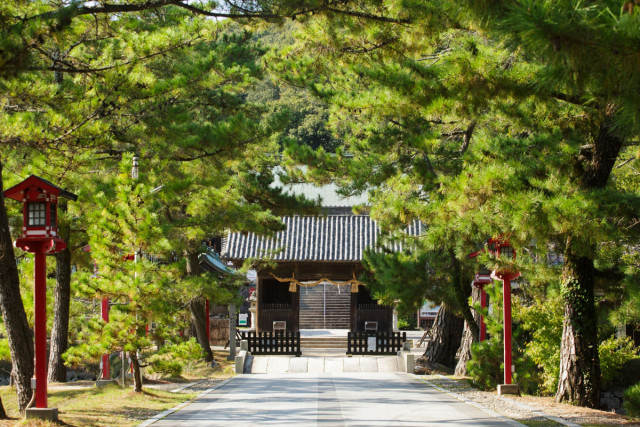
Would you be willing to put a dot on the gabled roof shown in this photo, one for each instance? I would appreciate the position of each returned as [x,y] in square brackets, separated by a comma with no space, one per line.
[336,238]
[15,192]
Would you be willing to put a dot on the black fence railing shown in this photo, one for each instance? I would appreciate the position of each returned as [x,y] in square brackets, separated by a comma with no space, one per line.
[375,342]
[279,342]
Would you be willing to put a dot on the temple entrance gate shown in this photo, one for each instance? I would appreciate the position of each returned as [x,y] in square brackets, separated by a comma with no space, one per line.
[325,306]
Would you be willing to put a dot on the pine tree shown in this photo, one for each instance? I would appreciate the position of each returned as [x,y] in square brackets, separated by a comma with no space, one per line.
[519,78]
[129,84]
[583,52]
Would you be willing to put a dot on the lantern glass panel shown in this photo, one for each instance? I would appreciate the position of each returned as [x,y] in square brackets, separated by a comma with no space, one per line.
[484,271]
[37,214]
[506,251]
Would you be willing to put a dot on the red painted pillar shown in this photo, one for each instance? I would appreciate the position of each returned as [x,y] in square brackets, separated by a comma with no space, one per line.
[206,317]
[483,304]
[507,328]
[106,369]
[40,328]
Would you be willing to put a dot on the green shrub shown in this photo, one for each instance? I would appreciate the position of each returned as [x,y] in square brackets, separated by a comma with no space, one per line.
[527,375]
[542,319]
[165,366]
[614,353]
[485,366]
[189,351]
[172,359]
[487,358]
[632,400]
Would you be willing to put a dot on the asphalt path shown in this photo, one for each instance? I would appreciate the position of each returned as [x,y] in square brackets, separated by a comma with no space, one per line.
[358,399]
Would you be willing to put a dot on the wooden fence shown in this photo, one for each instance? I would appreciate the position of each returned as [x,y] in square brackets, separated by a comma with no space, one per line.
[279,342]
[375,342]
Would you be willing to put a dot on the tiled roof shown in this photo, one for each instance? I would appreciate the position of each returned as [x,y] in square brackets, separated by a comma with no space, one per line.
[312,238]
[212,261]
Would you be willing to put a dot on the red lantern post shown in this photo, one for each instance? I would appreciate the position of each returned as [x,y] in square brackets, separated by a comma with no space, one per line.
[40,237]
[483,278]
[502,248]
[106,368]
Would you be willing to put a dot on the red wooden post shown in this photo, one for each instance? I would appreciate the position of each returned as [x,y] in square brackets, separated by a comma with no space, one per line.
[483,304]
[106,369]
[506,297]
[39,236]
[40,328]
[504,249]
[206,317]
[482,279]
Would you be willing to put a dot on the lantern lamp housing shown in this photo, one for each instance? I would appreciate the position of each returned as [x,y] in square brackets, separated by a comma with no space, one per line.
[40,210]
[506,251]
[483,276]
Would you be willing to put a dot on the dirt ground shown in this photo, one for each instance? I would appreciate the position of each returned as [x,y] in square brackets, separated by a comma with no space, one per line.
[529,410]
[576,414]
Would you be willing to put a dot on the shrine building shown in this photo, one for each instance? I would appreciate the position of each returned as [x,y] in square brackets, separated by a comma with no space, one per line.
[316,261]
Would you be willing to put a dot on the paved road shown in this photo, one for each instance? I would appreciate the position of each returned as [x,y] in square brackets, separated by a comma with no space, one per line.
[357,399]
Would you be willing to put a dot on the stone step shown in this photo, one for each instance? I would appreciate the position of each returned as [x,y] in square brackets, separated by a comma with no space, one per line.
[323,307]
[320,321]
[328,325]
[328,316]
[321,303]
[337,342]
[320,312]
[332,365]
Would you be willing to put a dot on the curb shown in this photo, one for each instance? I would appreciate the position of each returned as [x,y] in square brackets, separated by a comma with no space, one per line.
[161,415]
[469,402]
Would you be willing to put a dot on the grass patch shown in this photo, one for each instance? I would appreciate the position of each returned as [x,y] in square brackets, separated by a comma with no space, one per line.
[223,370]
[106,406]
[83,404]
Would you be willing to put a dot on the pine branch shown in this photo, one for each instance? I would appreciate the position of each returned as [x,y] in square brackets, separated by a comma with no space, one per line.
[369,16]
[571,99]
[71,68]
[65,15]
[467,137]
[368,49]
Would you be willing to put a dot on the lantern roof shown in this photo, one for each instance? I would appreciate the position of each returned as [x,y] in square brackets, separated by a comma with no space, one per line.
[15,192]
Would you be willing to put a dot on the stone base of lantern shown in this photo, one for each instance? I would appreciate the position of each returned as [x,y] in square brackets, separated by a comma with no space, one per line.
[104,383]
[46,414]
[508,389]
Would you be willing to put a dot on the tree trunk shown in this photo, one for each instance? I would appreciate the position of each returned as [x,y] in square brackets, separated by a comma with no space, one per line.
[137,375]
[445,337]
[60,329]
[15,319]
[579,380]
[197,308]
[468,338]
[462,291]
